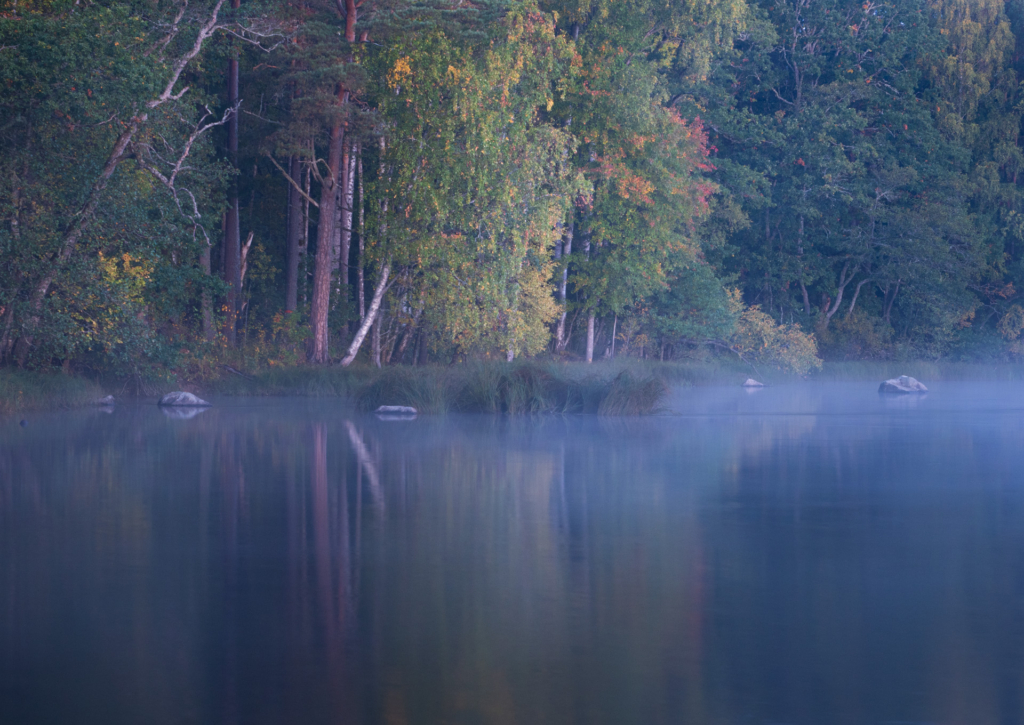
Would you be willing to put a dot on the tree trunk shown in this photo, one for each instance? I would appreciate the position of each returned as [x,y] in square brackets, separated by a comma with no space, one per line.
[422,356]
[347,193]
[305,237]
[291,299]
[232,251]
[73,234]
[856,294]
[590,336]
[361,274]
[81,221]
[206,302]
[410,330]
[807,299]
[844,280]
[615,327]
[375,342]
[371,315]
[561,340]
[320,306]
[890,300]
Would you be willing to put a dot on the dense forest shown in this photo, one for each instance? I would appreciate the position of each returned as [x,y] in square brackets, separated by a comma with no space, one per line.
[429,181]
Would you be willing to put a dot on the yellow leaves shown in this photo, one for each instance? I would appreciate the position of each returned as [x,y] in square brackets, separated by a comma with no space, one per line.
[551,103]
[1012,323]
[401,71]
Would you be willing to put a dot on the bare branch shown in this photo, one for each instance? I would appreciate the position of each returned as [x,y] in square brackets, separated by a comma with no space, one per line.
[171,34]
[208,29]
[292,181]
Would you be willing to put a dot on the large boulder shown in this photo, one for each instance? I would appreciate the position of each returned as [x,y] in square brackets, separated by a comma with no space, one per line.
[751,383]
[183,399]
[902,385]
[105,401]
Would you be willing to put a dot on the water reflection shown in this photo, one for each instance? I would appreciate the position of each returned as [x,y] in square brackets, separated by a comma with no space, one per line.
[176,412]
[814,558]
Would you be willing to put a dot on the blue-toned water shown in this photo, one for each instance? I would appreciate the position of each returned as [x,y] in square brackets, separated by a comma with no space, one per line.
[801,554]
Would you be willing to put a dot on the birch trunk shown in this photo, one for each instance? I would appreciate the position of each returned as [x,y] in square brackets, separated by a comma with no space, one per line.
[375,343]
[565,250]
[349,180]
[360,274]
[371,315]
[590,336]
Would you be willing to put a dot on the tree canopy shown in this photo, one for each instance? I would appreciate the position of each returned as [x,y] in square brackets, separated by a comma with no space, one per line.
[401,181]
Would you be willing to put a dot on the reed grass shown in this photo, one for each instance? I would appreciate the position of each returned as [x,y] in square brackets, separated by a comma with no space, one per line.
[515,389]
[21,391]
[921,369]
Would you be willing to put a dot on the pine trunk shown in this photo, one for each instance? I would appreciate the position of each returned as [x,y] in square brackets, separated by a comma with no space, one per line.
[320,305]
[205,301]
[232,251]
[291,301]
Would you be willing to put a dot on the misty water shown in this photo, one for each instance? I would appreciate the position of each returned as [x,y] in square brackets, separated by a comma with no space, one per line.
[800,554]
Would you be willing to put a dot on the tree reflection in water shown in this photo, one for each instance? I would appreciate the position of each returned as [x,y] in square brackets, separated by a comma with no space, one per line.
[292,562]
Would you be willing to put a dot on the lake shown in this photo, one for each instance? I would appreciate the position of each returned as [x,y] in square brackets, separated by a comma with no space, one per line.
[807,554]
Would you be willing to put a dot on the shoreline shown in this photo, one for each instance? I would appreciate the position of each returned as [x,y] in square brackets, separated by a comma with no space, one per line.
[616,387]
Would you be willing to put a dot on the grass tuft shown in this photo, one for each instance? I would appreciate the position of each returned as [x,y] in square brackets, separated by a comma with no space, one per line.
[514,388]
[631,395]
[21,390]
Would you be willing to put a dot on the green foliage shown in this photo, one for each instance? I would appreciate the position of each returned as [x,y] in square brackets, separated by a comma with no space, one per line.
[759,337]
[851,168]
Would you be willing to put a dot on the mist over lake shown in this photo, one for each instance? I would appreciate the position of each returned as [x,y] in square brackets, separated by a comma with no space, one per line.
[799,554]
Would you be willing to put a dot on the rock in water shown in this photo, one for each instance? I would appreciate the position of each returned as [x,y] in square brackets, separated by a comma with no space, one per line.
[104,401]
[902,384]
[751,383]
[181,398]
[395,410]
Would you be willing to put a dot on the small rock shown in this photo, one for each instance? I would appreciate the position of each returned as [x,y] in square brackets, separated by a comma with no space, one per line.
[902,384]
[395,410]
[181,398]
[751,383]
[24,423]
[105,400]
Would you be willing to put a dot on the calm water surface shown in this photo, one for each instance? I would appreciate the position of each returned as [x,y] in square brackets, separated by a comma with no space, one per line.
[808,554]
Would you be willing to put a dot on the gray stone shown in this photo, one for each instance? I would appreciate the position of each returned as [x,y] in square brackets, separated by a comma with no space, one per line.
[395,410]
[105,400]
[751,383]
[902,385]
[181,398]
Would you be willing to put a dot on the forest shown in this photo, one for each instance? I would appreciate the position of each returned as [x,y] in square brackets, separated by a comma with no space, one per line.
[185,185]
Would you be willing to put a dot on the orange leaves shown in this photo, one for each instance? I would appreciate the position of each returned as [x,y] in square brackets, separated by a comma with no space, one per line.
[634,186]
[638,141]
